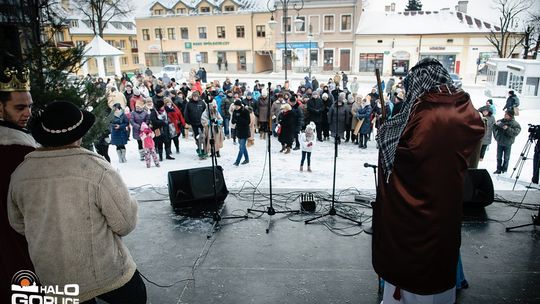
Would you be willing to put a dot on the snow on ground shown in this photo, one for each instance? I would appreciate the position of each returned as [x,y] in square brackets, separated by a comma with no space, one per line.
[285,168]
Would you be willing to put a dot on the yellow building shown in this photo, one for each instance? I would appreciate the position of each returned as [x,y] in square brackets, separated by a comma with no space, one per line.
[222,35]
[119,32]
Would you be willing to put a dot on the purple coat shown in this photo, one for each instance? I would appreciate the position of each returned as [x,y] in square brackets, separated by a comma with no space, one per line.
[136,120]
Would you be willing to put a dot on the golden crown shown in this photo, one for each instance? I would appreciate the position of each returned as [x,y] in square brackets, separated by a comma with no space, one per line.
[13,83]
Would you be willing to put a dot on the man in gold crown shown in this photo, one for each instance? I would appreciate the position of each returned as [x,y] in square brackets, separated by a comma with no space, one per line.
[15,143]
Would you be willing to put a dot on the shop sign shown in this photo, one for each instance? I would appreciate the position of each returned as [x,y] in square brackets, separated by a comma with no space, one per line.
[297,45]
[187,45]
[437,48]
[206,43]
[153,47]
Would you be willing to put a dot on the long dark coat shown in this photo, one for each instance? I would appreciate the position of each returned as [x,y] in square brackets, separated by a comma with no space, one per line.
[136,120]
[262,107]
[365,114]
[287,122]
[241,119]
[343,115]
[298,111]
[315,108]
[119,136]
[418,210]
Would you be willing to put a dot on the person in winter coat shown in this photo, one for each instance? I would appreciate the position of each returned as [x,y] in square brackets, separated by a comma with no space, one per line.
[252,125]
[119,133]
[225,106]
[338,115]
[505,131]
[262,114]
[115,97]
[128,94]
[307,141]
[192,115]
[354,87]
[315,108]
[241,120]
[136,97]
[489,121]
[364,114]
[286,127]
[75,236]
[348,123]
[275,110]
[147,136]
[212,122]
[511,102]
[298,112]
[345,79]
[176,121]
[357,105]
[314,83]
[160,125]
[137,118]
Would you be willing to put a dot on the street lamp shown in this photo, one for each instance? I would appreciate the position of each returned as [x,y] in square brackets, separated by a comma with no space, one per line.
[161,47]
[297,22]
[310,37]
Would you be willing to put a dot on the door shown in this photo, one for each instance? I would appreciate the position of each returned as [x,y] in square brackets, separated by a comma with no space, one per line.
[288,61]
[345,60]
[328,60]
[241,62]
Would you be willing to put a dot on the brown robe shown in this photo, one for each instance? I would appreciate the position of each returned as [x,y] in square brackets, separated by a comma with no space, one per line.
[417,214]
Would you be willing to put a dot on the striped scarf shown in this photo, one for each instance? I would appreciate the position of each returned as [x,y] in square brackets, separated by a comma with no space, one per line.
[425,75]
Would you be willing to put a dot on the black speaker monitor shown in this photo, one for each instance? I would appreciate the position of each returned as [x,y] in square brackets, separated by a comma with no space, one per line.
[191,191]
[477,189]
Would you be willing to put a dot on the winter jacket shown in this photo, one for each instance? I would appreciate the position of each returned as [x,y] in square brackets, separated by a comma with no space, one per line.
[489,121]
[298,111]
[343,114]
[511,102]
[307,144]
[241,119]
[315,108]
[262,109]
[75,236]
[354,86]
[160,120]
[193,112]
[276,108]
[175,117]
[354,109]
[506,137]
[365,114]
[225,105]
[119,136]
[137,118]
[287,123]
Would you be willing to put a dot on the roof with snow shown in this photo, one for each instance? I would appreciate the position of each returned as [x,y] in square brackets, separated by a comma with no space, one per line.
[114,27]
[99,47]
[420,23]
[243,5]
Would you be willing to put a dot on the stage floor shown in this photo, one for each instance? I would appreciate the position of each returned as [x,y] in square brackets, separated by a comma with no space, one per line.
[298,263]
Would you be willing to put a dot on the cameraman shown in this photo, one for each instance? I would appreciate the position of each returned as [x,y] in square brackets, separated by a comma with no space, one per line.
[535,135]
[505,132]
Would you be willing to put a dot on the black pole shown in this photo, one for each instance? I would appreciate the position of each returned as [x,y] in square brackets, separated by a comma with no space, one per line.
[285,3]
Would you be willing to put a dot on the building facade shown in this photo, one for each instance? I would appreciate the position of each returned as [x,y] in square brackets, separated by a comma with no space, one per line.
[395,41]
[227,35]
[520,75]
[119,32]
[325,41]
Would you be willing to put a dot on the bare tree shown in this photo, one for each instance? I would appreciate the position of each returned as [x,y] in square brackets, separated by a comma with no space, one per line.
[101,12]
[532,36]
[506,37]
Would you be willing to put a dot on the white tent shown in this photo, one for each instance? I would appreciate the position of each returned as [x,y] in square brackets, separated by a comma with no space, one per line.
[99,49]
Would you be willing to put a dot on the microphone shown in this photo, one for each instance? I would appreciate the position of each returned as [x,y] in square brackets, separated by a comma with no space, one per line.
[366,165]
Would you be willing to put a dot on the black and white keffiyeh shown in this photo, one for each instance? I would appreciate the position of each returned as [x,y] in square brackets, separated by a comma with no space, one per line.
[425,75]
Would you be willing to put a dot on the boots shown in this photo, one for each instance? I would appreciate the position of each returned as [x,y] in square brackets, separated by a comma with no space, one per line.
[120,159]
[123,152]
[282,148]
[263,135]
[287,150]
[308,169]
[141,154]
[160,153]
[301,168]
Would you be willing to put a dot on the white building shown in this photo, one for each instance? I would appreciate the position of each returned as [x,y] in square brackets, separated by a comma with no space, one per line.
[520,75]
[395,41]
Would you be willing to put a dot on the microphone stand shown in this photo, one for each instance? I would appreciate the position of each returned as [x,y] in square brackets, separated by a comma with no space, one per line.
[270,209]
[369,230]
[332,210]
[216,215]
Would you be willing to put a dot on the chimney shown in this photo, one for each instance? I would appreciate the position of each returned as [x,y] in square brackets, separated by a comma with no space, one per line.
[462,6]
[393,6]
[387,8]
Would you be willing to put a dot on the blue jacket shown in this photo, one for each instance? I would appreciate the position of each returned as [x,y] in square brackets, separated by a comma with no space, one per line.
[119,136]
[365,114]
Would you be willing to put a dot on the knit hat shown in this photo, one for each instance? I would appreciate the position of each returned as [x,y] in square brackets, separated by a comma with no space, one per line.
[61,123]
[310,128]
[286,107]
[325,95]
[136,92]
[238,102]
[510,113]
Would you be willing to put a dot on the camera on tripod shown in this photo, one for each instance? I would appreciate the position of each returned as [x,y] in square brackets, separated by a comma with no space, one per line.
[534,132]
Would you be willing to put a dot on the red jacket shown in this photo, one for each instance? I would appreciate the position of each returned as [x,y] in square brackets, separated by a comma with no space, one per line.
[176,118]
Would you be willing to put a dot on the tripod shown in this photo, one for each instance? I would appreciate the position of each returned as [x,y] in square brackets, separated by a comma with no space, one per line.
[270,209]
[332,210]
[535,222]
[216,215]
[522,158]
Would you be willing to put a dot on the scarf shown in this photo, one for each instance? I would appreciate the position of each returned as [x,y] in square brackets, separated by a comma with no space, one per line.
[425,75]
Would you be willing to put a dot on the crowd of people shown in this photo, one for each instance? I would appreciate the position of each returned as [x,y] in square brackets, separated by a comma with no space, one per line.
[234,110]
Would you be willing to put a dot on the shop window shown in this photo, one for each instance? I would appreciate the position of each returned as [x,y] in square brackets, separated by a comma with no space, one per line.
[371,61]
[502,78]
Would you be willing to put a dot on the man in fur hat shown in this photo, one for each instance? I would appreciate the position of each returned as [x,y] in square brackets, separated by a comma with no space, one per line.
[15,143]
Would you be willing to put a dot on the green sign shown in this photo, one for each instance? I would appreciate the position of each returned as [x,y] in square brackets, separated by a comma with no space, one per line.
[187,45]
[211,43]
[387,52]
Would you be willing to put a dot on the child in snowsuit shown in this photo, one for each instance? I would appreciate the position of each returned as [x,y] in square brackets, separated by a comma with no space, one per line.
[307,140]
[147,136]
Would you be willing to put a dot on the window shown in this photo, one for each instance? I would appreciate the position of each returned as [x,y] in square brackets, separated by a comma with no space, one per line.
[289,26]
[220,32]
[59,36]
[314,57]
[111,42]
[502,79]
[122,44]
[371,61]
[204,57]
[202,33]
[229,8]
[170,33]
[261,31]
[134,44]
[185,57]
[240,31]
[135,59]
[346,22]
[303,27]
[181,11]
[184,33]
[328,24]
[80,43]
[74,23]
[117,25]
[128,25]
[205,9]
[449,40]
[124,61]
[158,34]
[158,12]
[145,34]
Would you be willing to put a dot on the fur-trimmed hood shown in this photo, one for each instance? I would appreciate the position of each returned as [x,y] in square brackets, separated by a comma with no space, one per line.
[13,136]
